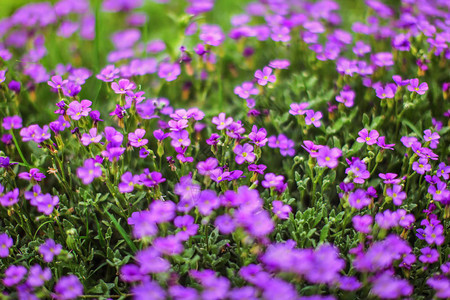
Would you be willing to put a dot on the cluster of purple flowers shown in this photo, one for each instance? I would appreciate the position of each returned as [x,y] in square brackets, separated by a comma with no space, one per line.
[191,179]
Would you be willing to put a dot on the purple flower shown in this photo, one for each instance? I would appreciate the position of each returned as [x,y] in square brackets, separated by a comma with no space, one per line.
[396,194]
[225,224]
[265,76]
[257,168]
[10,198]
[169,245]
[298,108]
[180,139]
[150,261]
[421,166]
[109,73]
[361,48]
[415,87]
[442,286]
[71,89]
[383,59]
[136,139]
[367,137]
[389,178]
[382,144]
[443,171]
[429,255]
[46,203]
[207,202]
[439,191]
[434,234]
[169,71]
[148,290]
[327,157]
[142,224]
[205,167]
[346,96]
[279,64]
[387,286]
[127,182]
[57,82]
[92,137]
[362,223]
[35,133]
[68,287]
[357,170]
[77,109]
[313,118]
[49,249]
[312,148]
[211,34]
[34,174]
[272,180]
[14,274]
[38,276]
[123,86]
[131,273]
[399,81]
[244,153]
[358,199]
[405,220]
[13,122]
[281,210]
[5,243]
[387,92]
[222,121]
[387,219]
[187,225]
[245,90]
[433,138]
[151,179]
[89,171]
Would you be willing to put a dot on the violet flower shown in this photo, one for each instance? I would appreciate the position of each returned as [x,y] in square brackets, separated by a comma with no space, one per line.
[49,249]
[265,76]
[244,153]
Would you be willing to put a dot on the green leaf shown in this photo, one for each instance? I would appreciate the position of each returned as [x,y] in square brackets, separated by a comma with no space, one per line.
[122,232]
[324,233]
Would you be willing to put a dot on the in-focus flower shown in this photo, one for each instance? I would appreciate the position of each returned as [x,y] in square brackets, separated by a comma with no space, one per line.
[313,118]
[281,210]
[123,86]
[92,137]
[367,137]
[77,109]
[265,76]
[358,199]
[429,255]
[49,249]
[327,157]
[246,90]
[136,138]
[396,194]
[34,174]
[421,166]
[127,182]
[415,87]
[244,153]
[222,121]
